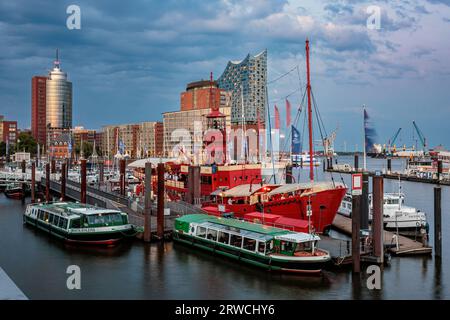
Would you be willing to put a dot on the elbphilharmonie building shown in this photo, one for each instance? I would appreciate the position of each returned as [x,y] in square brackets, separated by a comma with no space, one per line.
[247,80]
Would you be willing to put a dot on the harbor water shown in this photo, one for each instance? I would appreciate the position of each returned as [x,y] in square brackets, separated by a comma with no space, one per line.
[37,263]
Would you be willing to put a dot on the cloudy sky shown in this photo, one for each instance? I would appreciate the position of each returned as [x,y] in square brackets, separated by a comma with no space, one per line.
[131,59]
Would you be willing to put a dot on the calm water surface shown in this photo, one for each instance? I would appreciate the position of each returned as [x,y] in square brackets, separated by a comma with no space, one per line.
[37,264]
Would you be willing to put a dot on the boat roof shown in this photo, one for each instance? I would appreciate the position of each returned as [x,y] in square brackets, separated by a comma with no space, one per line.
[298,237]
[74,208]
[249,229]
[243,190]
[316,186]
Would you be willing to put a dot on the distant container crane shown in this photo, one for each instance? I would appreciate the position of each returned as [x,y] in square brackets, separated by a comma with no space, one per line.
[422,138]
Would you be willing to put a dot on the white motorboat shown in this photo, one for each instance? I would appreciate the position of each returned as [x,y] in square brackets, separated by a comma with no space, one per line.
[396,215]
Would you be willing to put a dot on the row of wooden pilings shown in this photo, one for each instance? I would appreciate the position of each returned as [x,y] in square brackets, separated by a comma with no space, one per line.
[360,221]
[51,168]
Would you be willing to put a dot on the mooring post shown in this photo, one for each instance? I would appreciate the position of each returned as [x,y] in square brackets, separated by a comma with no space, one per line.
[356,162]
[53,166]
[377,218]
[289,174]
[193,195]
[33,182]
[365,202]
[148,203]
[356,227]
[47,182]
[389,165]
[83,181]
[160,211]
[122,176]
[325,165]
[439,169]
[437,223]
[24,166]
[63,181]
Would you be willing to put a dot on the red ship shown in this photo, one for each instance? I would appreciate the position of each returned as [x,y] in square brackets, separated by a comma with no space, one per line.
[239,190]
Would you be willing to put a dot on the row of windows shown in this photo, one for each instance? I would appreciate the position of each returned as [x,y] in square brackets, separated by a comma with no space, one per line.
[52,219]
[232,239]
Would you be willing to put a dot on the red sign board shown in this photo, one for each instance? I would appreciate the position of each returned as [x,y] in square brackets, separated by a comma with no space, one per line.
[357,184]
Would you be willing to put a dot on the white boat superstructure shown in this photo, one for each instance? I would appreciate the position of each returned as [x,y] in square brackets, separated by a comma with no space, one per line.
[396,214]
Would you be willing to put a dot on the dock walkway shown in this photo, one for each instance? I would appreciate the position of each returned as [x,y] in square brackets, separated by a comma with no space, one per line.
[406,246]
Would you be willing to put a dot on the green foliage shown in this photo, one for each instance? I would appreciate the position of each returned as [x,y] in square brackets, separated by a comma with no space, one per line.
[26,143]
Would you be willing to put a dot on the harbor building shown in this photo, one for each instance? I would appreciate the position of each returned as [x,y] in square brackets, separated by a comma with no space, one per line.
[137,140]
[38,108]
[8,131]
[180,130]
[247,82]
[198,95]
[58,98]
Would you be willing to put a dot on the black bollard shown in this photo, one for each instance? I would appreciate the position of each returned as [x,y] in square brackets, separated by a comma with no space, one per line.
[437,223]
[148,202]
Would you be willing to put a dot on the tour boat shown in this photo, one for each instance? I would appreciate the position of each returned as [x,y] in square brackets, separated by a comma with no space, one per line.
[15,191]
[79,223]
[271,248]
[395,214]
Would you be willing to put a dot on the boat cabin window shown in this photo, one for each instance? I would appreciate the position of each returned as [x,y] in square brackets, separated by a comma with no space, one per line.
[236,240]
[211,235]
[286,246]
[304,246]
[224,237]
[104,219]
[61,222]
[75,223]
[249,244]
[50,218]
[56,220]
[45,218]
[201,232]
[261,247]
[391,201]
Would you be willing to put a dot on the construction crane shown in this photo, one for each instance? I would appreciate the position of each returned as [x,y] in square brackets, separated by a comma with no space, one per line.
[421,136]
[391,141]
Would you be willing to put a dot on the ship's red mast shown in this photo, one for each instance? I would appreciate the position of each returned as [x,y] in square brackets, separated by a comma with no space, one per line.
[308,90]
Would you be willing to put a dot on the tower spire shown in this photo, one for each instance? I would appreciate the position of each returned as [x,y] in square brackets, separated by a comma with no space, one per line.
[56,63]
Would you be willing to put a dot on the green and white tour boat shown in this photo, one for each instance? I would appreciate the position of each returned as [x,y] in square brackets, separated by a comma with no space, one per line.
[260,245]
[79,223]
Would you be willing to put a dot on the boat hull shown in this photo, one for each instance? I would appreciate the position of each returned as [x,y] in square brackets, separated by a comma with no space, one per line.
[305,266]
[15,194]
[98,238]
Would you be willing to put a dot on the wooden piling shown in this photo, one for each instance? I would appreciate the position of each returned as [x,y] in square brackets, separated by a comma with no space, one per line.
[33,182]
[63,181]
[83,181]
[377,218]
[437,223]
[47,182]
[53,166]
[389,165]
[160,210]
[356,162]
[122,176]
[24,166]
[365,203]
[289,174]
[356,227]
[148,203]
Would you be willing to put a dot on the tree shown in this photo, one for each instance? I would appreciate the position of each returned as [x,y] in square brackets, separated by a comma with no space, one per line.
[26,143]
[2,149]
[87,149]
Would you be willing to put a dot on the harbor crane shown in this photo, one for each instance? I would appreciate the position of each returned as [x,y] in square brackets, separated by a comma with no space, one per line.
[392,140]
[423,141]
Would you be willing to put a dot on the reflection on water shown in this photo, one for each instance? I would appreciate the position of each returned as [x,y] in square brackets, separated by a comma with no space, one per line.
[133,270]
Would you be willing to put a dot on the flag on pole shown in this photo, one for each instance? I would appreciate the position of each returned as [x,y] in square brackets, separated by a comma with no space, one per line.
[288,114]
[277,118]
[296,143]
